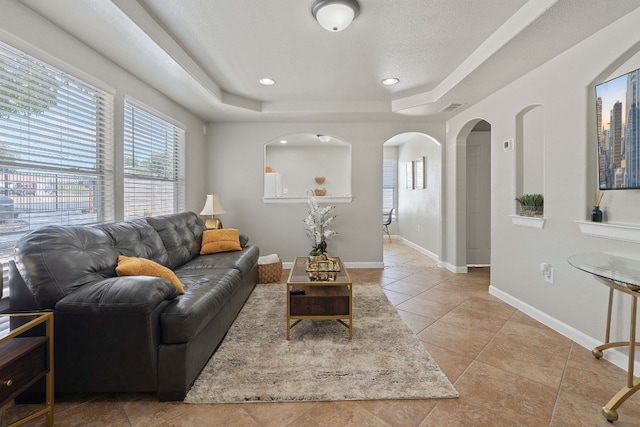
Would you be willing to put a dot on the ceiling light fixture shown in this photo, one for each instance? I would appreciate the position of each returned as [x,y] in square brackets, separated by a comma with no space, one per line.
[335,15]
[267,81]
[390,81]
[324,138]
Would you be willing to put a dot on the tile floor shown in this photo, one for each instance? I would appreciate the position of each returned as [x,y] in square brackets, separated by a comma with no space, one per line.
[509,369]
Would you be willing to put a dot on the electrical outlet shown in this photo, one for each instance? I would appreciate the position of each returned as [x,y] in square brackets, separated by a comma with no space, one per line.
[418,228]
[547,272]
[548,277]
[284,191]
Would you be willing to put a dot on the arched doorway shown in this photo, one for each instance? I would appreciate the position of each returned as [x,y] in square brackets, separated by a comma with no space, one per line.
[467,228]
[418,221]
[478,185]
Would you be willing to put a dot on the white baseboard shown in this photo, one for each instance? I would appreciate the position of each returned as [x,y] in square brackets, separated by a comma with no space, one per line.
[613,355]
[418,248]
[433,256]
[455,269]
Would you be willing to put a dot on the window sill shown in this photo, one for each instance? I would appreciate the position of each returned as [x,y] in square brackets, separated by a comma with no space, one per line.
[608,230]
[528,221]
[319,199]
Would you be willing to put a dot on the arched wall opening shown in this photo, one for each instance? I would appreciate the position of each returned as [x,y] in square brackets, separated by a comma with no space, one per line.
[530,175]
[418,211]
[473,196]
[299,163]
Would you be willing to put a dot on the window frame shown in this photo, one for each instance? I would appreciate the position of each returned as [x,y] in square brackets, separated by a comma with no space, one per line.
[55,122]
[178,182]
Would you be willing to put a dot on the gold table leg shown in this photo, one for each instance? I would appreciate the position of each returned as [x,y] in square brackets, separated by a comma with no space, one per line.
[633,385]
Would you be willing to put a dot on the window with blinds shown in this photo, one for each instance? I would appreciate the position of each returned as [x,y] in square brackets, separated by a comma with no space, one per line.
[153,163]
[388,185]
[56,152]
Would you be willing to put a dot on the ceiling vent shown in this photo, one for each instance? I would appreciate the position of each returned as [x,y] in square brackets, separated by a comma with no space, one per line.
[451,107]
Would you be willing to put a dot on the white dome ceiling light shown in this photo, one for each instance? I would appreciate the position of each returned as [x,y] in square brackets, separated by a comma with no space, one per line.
[335,15]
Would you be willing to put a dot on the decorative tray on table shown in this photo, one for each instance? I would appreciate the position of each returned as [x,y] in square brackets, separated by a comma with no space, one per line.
[323,268]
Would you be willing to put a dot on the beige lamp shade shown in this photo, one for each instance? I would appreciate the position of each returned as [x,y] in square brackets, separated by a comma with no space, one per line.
[212,206]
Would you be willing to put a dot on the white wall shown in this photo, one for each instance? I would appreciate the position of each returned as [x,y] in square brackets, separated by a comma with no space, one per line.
[419,210]
[25,30]
[564,86]
[235,160]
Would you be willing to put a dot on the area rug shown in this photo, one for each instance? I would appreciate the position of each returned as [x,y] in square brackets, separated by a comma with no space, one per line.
[255,362]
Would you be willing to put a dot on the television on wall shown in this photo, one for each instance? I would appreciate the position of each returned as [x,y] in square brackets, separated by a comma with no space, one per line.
[618,130]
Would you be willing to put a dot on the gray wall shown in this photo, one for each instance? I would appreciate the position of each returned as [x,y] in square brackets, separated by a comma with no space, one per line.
[235,167]
[419,210]
[575,304]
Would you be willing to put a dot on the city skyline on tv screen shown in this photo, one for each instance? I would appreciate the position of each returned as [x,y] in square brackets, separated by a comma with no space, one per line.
[618,132]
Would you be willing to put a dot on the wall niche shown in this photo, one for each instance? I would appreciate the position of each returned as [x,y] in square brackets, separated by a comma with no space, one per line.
[297,164]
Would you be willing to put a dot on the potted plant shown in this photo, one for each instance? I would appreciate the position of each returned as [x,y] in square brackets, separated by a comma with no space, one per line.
[531,204]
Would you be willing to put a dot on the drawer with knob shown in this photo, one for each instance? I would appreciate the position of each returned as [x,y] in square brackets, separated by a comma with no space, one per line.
[23,361]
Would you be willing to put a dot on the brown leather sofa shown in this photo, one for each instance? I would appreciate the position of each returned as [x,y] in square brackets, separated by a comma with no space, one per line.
[134,333]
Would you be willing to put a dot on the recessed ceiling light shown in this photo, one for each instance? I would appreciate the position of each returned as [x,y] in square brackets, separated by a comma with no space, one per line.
[267,81]
[283,141]
[390,81]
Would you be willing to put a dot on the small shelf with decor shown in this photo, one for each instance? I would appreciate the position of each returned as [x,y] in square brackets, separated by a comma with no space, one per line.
[611,230]
[531,209]
[528,221]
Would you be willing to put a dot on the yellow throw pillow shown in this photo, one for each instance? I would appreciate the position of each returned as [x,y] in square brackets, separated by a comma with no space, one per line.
[223,240]
[132,266]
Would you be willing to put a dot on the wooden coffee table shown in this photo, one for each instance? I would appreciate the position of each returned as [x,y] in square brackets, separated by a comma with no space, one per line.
[321,300]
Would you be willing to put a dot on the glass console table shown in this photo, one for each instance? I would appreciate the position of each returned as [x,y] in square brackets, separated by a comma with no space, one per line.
[623,275]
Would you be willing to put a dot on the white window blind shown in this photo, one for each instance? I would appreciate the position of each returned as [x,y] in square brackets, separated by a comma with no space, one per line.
[56,149]
[388,185]
[153,164]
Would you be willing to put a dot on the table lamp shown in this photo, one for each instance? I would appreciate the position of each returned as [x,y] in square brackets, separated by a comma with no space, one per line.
[212,206]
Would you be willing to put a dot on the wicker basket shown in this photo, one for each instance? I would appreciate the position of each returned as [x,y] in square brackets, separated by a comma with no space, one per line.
[270,273]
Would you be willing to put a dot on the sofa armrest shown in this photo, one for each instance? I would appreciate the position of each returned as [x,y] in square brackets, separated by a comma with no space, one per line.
[118,295]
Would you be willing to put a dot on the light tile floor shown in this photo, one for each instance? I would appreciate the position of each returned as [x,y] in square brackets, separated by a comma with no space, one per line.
[510,370]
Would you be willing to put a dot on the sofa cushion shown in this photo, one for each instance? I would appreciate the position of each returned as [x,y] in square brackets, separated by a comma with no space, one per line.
[54,260]
[137,239]
[181,235]
[223,240]
[133,266]
[118,295]
[206,292]
[243,260]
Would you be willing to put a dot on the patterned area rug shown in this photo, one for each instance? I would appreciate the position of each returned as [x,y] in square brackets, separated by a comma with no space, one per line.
[255,362]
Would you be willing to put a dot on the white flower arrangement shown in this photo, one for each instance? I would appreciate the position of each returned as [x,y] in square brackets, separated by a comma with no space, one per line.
[316,225]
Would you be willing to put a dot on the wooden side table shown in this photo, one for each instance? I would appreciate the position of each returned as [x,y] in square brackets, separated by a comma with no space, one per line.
[322,299]
[25,360]
[622,275]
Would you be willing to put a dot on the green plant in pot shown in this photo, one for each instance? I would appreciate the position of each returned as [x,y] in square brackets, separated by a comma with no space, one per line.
[531,204]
